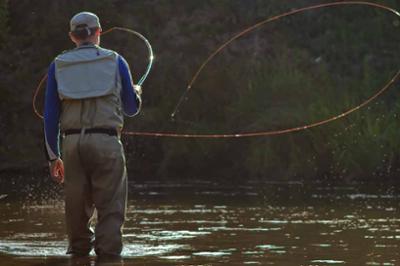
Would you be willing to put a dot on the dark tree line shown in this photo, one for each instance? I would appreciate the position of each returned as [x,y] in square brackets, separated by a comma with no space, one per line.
[294,71]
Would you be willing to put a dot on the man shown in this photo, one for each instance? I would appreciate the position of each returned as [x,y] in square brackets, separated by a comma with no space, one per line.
[88,89]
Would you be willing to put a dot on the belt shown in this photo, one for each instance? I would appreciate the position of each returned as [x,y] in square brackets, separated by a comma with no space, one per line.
[108,131]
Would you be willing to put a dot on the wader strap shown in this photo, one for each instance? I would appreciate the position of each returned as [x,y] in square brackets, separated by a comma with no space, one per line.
[108,131]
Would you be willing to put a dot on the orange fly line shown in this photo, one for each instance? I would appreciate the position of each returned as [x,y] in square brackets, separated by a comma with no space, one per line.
[222,47]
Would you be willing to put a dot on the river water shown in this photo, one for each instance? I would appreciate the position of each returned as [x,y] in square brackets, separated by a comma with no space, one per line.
[218,224]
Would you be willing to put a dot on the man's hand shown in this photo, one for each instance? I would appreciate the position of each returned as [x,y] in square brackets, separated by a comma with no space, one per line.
[57,170]
[138,89]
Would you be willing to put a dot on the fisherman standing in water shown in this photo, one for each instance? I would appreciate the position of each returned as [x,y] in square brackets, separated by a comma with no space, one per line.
[88,90]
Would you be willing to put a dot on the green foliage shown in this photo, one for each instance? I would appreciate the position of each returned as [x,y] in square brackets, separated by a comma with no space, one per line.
[299,70]
[3,21]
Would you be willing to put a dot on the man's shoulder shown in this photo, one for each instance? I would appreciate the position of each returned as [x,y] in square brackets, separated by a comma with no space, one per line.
[63,54]
[84,52]
[107,50]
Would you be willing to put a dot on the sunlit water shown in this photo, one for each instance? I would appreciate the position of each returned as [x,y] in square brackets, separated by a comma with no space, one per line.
[207,224]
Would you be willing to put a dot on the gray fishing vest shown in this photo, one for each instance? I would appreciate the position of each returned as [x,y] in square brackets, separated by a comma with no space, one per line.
[89,87]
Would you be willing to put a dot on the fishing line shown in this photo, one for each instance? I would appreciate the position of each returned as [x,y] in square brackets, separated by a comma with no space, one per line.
[222,47]
[140,82]
[149,48]
[261,23]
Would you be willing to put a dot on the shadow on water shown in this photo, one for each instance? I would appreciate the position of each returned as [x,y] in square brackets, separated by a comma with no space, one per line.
[204,223]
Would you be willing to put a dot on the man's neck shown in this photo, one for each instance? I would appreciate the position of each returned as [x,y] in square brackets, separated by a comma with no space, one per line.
[86,44]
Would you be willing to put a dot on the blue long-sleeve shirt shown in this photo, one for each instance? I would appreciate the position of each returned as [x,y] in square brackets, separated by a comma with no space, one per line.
[52,106]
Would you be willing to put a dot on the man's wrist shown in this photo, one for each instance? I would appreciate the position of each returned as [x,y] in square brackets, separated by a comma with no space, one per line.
[53,160]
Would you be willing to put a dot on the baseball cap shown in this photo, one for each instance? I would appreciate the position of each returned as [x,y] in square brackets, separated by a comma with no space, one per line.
[86,19]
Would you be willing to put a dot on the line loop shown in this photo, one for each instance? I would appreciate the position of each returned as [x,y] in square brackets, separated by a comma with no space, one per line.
[216,52]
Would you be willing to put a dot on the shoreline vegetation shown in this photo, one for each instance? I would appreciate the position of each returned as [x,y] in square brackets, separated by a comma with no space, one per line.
[295,71]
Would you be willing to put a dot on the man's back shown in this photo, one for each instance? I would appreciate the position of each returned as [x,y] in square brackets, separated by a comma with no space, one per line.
[89,85]
[88,91]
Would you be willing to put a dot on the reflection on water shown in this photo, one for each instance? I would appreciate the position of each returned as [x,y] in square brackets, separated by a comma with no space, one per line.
[273,225]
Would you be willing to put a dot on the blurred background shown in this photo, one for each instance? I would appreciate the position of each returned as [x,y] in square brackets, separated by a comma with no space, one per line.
[294,71]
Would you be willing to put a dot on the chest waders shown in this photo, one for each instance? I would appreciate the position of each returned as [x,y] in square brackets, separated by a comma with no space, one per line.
[95,173]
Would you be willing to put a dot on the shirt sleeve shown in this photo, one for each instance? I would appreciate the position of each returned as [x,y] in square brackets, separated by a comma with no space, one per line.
[131,101]
[52,110]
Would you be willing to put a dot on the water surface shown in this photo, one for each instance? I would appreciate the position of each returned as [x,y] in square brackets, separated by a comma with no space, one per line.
[214,224]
